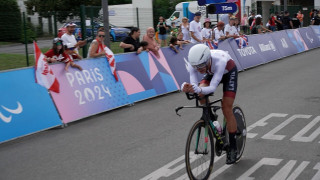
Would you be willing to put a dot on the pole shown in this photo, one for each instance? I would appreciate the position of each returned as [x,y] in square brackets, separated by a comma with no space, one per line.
[55,24]
[25,36]
[137,10]
[83,29]
[106,22]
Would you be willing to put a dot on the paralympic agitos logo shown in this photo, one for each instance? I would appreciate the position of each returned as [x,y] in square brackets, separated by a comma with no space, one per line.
[7,119]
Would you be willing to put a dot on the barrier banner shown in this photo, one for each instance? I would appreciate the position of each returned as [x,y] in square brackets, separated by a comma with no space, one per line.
[224,45]
[134,76]
[316,30]
[283,43]
[309,37]
[25,107]
[87,92]
[265,46]
[297,40]
[248,56]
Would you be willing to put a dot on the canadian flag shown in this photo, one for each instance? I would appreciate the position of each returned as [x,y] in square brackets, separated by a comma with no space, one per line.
[112,61]
[43,73]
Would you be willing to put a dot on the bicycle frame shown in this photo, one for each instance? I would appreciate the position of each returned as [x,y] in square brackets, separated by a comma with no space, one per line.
[207,119]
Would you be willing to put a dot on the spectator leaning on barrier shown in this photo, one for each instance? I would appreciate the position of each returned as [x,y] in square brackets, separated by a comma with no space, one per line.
[316,19]
[56,53]
[68,37]
[287,21]
[230,30]
[258,27]
[218,31]
[206,32]
[272,22]
[184,28]
[132,42]
[96,48]
[251,18]
[237,25]
[70,51]
[195,28]
[150,39]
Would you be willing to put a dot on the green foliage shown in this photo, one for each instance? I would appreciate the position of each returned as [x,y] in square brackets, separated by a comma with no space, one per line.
[30,33]
[10,20]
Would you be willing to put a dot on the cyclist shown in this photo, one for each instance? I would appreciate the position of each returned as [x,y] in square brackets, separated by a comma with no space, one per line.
[217,67]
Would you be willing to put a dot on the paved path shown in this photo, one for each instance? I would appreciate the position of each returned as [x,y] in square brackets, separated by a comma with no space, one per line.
[20,48]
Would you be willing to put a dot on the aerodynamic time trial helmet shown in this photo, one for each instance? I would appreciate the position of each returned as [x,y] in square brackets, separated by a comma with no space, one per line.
[199,55]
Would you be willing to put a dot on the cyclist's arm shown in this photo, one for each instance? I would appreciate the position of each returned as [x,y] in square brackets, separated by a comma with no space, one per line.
[218,73]
[193,74]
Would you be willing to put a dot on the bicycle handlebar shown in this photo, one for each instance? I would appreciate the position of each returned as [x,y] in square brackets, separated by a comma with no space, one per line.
[192,96]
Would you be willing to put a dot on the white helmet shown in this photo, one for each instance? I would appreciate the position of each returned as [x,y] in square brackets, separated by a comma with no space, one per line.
[199,54]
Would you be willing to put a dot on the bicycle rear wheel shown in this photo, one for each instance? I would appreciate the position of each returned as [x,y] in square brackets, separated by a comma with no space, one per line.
[241,131]
[199,162]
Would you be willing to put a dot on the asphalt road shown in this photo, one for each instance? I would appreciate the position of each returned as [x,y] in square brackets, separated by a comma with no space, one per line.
[281,101]
[21,48]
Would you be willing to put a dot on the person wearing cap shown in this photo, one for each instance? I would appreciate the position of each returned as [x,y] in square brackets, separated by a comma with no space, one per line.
[287,21]
[195,28]
[206,32]
[70,51]
[56,53]
[68,37]
[230,30]
[218,32]
[184,28]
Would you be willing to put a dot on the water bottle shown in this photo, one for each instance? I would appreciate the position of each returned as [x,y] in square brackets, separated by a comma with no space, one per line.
[217,126]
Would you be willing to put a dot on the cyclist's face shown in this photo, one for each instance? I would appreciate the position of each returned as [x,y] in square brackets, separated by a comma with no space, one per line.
[202,70]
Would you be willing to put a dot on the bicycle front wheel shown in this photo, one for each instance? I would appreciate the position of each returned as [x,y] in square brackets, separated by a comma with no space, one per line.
[199,159]
[241,131]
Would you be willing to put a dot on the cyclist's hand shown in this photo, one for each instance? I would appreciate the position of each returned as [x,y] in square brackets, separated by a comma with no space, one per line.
[196,88]
[186,87]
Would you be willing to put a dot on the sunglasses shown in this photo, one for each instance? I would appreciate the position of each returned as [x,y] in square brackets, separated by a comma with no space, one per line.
[102,36]
[200,66]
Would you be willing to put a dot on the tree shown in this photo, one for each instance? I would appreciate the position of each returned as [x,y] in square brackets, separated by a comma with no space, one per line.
[10,20]
[63,8]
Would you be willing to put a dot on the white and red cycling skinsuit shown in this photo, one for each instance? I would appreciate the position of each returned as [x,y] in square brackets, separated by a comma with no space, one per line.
[223,69]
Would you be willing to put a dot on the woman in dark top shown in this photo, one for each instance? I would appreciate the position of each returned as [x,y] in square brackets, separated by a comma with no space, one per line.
[162,29]
[132,42]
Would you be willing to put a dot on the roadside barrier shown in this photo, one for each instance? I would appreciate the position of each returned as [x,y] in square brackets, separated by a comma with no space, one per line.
[26,107]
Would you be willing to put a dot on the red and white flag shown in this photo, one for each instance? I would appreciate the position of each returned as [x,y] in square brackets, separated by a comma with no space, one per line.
[43,73]
[112,61]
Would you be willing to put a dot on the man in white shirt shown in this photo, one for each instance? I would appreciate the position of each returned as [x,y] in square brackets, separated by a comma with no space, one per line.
[195,28]
[218,32]
[230,30]
[69,38]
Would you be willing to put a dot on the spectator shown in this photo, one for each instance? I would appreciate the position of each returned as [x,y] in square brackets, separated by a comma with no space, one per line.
[300,17]
[287,21]
[195,28]
[144,45]
[181,40]
[226,17]
[206,32]
[278,21]
[244,23]
[96,48]
[56,53]
[174,29]
[173,43]
[258,27]
[68,37]
[230,30]
[295,21]
[237,25]
[70,51]
[184,28]
[218,31]
[162,29]
[152,44]
[131,43]
[316,19]
[251,18]
[272,23]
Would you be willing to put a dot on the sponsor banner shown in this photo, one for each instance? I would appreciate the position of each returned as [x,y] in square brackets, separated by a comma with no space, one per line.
[224,45]
[135,78]
[316,30]
[247,56]
[87,92]
[265,46]
[297,40]
[25,107]
[309,37]
[283,43]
